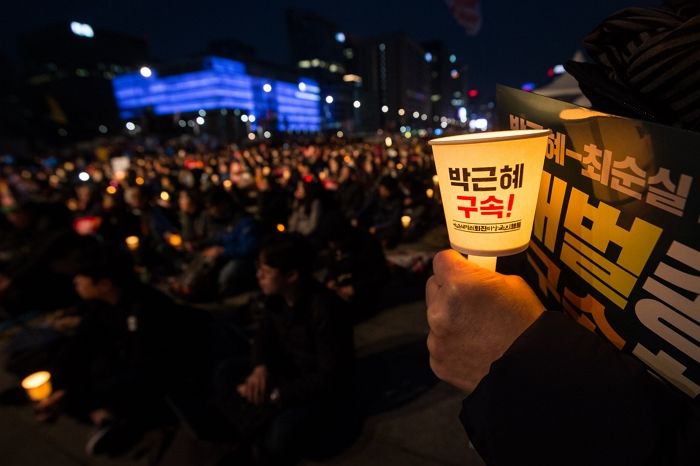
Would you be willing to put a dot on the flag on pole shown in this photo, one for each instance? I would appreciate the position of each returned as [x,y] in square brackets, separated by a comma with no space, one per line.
[467,13]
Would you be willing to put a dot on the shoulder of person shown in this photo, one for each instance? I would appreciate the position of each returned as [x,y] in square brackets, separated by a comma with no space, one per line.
[325,303]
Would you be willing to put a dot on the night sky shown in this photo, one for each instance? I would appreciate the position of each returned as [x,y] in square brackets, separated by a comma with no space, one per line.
[518,41]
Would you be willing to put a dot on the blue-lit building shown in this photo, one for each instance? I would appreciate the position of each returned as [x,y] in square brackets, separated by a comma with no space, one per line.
[222,84]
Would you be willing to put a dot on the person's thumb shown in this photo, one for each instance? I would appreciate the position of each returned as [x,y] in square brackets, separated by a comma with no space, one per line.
[450,263]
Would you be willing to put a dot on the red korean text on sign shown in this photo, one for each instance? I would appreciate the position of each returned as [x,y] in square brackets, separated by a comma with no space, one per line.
[490,206]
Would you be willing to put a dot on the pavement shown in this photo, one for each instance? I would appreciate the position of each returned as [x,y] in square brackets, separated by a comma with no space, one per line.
[412,417]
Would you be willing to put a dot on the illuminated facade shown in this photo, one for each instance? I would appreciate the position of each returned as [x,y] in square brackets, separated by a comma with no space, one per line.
[222,84]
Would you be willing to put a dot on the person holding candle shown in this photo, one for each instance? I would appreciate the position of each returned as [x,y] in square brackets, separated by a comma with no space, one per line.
[382,215]
[133,347]
[232,250]
[541,388]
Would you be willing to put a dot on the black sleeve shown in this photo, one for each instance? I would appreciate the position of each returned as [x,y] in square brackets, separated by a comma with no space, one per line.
[563,395]
[264,335]
[333,344]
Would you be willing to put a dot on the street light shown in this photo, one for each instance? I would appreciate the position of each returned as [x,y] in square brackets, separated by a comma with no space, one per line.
[356,104]
[146,72]
[329,99]
[130,126]
[267,87]
[385,109]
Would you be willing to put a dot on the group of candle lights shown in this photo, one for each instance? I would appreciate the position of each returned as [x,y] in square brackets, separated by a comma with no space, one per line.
[483,245]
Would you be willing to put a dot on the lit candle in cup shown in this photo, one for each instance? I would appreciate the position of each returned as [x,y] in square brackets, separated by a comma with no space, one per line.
[489,184]
[175,240]
[405,221]
[132,242]
[38,385]
[429,193]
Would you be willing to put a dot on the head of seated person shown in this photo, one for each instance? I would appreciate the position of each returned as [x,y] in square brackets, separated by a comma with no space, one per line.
[285,264]
[104,273]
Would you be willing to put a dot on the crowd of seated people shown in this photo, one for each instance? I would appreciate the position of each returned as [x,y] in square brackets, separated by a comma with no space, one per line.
[124,252]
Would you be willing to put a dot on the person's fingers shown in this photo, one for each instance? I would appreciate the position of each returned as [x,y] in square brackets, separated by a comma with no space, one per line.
[434,347]
[257,389]
[445,262]
[255,392]
[263,389]
[242,390]
[445,312]
[252,389]
[431,290]
[443,372]
[449,263]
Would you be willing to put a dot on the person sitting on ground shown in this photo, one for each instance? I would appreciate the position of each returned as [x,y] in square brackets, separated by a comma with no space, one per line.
[302,356]
[355,264]
[307,208]
[41,245]
[133,347]
[383,213]
[234,247]
[190,217]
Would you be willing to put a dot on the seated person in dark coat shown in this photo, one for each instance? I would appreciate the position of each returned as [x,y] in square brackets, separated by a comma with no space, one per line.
[302,360]
[132,348]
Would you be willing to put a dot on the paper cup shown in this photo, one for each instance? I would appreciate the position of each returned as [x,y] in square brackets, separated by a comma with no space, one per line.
[489,184]
[38,385]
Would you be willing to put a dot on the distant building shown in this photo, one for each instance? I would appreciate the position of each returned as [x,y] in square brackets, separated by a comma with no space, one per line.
[68,68]
[320,49]
[448,81]
[219,95]
[316,44]
[396,80]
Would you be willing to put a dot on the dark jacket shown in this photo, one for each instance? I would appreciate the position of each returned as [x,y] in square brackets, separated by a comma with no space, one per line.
[240,241]
[142,347]
[308,348]
[562,395]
